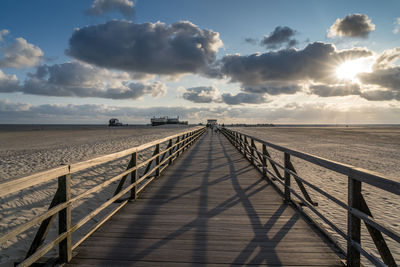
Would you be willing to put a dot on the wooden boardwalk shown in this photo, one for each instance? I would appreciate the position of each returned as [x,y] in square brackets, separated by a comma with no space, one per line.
[211,207]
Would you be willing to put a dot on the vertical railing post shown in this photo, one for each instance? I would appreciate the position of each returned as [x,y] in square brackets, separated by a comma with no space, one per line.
[353,222]
[264,160]
[64,218]
[134,176]
[157,151]
[252,147]
[180,145]
[287,177]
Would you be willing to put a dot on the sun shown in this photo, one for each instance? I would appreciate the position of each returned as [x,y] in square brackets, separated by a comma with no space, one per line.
[349,69]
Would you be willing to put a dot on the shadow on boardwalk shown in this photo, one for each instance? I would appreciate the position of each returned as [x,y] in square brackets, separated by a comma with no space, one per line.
[211,207]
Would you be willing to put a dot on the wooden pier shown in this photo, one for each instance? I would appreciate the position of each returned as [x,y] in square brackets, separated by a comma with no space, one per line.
[207,199]
[210,208]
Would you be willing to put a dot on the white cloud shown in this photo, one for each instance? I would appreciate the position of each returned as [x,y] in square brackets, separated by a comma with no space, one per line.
[3,33]
[396,26]
[75,79]
[19,54]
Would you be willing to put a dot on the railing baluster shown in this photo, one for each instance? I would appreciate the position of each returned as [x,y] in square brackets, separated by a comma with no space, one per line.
[134,176]
[252,150]
[264,160]
[287,177]
[353,222]
[157,151]
[64,219]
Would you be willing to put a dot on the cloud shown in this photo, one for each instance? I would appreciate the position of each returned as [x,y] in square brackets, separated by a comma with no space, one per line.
[279,37]
[324,90]
[316,62]
[74,79]
[8,83]
[396,26]
[353,25]
[3,33]
[243,98]
[384,74]
[19,54]
[251,41]
[99,7]
[273,88]
[154,48]
[381,95]
[387,78]
[202,94]
[292,113]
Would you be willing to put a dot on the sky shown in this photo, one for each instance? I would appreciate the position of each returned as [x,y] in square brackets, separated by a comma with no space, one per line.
[256,61]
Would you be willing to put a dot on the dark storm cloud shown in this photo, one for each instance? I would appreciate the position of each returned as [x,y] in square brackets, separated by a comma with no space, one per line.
[99,7]
[75,79]
[279,37]
[353,25]
[324,90]
[202,94]
[155,48]
[243,98]
[315,62]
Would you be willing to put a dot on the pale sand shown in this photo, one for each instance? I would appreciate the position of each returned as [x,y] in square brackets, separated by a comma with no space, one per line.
[372,148]
[27,150]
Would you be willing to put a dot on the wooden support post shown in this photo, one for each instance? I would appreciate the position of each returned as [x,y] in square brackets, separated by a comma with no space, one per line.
[134,176]
[44,227]
[287,177]
[64,219]
[301,186]
[157,151]
[167,150]
[353,222]
[264,160]
[131,164]
[377,237]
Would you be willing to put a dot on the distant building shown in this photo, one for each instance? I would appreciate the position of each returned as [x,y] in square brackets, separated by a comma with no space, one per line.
[114,122]
[211,122]
[165,120]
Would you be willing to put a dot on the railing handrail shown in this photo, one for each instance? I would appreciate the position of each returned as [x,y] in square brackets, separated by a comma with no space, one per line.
[357,207]
[62,202]
[363,175]
[19,184]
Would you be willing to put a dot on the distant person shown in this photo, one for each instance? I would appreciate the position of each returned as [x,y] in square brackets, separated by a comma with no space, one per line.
[215,128]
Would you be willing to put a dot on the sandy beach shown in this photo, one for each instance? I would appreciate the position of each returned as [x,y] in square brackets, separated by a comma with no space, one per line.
[372,148]
[30,149]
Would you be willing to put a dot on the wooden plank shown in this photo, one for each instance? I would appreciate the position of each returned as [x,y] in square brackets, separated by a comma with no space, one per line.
[210,207]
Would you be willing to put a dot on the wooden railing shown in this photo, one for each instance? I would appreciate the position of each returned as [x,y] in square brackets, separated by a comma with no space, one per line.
[62,201]
[356,206]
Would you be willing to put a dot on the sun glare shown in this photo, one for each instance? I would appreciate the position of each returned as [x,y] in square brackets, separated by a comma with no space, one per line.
[348,70]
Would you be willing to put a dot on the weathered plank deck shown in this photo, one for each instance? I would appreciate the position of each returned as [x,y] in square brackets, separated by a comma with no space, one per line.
[210,208]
